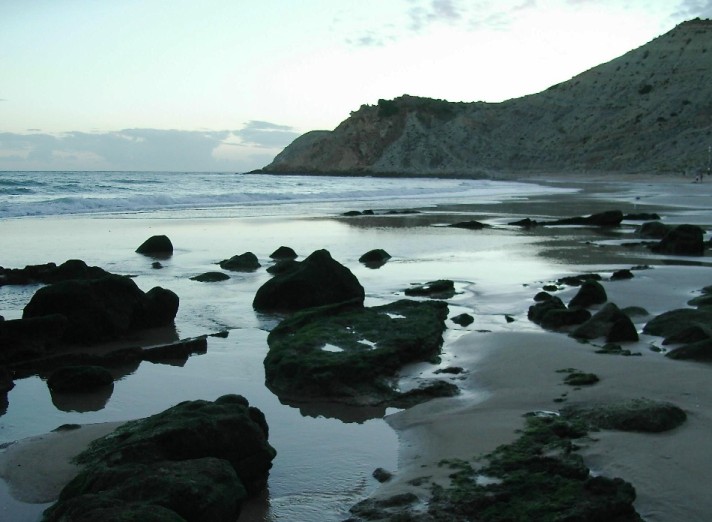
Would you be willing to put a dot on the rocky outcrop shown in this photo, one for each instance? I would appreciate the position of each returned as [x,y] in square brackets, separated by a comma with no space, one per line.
[646,110]
[317,281]
[196,461]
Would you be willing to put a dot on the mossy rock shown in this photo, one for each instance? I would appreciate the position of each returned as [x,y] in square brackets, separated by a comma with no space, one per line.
[246,262]
[640,415]
[211,277]
[440,289]
[348,353]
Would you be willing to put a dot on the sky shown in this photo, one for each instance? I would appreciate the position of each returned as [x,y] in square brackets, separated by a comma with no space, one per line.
[225,85]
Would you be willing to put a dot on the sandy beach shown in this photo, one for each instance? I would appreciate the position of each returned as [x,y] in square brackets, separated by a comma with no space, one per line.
[510,368]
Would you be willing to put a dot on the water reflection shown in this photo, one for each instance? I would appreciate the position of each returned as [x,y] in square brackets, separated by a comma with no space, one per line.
[334,410]
[83,402]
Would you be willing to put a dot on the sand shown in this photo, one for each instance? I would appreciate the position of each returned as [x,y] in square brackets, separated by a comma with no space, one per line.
[511,371]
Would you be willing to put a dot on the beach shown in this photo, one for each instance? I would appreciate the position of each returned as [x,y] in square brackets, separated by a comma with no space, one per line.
[326,453]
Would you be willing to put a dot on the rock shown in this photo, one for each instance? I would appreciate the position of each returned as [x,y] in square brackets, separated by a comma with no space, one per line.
[440,289]
[608,322]
[425,392]
[635,311]
[701,301]
[375,258]
[619,275]
[352,213]
[683,240]
[348,353]
[610,218]
[283,252]
[282,266]
[673,322]
[696,351]
[642,216]
[553,314]
[690,334]
[653,230]
[50,273]
[463,319]
[453,370]
[590,293]
[543,296]
[316,281]
[198,460]
[615,349]
[75,379]
[578,280]
[178,351]
[22,339]
[103,309]
[581,379]
[524,223]
[246,262]
[156,246]
[381,475]
[639,415]
[210,277]
[469,225]
[156,265]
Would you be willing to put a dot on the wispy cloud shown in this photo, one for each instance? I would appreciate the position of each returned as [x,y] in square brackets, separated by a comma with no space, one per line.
[687,9]
[248,148]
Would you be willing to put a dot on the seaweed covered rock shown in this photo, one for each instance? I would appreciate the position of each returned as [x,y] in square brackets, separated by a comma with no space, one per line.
[683,240]
[348,353]
[246,262]
[156,246]
[198,460]
[103,309]
[590,293]
[641,415]
[317,281]
[609,322]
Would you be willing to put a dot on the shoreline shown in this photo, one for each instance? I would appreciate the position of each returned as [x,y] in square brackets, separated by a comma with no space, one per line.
[512,372]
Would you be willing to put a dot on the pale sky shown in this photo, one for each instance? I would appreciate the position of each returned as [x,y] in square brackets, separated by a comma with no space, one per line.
[226,84]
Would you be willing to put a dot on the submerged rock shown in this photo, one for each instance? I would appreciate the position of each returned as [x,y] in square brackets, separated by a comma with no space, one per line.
[349,353]
[211,277]
[316,281]
[469,225]
[246,262]
[195,461]
[156,246]
[610,218]
[440,289]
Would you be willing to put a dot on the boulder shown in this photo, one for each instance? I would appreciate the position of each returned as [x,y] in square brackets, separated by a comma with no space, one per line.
[620,275]
[375,258]
[22,339]
[199,460]
[683,240]
[639,415]
[211,277]
[469,225]
[463,319]
[440,289]
[590,293]
[552,313]
[609,322]
[690,334]
[246,262]
[609,218]
[103,309]
[653,230]
[282,266]
[349,353]
[156,246]
[283,252]
[695,351]
[675,321]
[77,379]
[317,281]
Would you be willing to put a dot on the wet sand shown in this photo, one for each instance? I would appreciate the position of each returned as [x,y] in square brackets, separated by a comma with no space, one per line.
[511,369]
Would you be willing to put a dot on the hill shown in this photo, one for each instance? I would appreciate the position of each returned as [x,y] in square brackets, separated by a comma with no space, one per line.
[648,110]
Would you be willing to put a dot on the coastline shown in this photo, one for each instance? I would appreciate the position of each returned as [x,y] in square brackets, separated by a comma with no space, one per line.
[512,370]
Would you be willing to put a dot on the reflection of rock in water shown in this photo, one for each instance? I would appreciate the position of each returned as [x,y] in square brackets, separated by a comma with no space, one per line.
[82,402]
[334,410]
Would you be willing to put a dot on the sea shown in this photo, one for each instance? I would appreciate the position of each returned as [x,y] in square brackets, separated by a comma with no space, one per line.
[326,452]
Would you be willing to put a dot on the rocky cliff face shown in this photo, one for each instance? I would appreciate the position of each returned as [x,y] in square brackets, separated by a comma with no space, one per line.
[650,109]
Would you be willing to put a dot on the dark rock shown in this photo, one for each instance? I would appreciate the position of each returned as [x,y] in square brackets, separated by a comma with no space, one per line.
[590,293]
[454,370]
[608,322]
[642,216]
[615,349]
[463,319]
[696,351]
[578,280]
[50,273]
[246,262]
[683,240]
[316,281]
[88,508]
[610,218]
[701,301]
[691,334]
[621,274]
[509,318]
[157,246]
[349,353]
[635,311]
[525,223]
[581,379]
[424,393]
[283,266]
[79,379]
[543,296]
[440,289]
[352,213]
[210,277]
[283,252]
[653,230]
[180,350]
[673,322]
[103,309]
[550,288]
[375,258]
[469,225]
[381,475]
[553,314]
[156,265]
[639,415]
[22,339]
[198,459]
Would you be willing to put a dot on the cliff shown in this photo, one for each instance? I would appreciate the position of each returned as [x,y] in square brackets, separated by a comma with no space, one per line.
[648,110]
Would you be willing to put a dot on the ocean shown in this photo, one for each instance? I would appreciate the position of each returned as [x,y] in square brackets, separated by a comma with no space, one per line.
[326,452]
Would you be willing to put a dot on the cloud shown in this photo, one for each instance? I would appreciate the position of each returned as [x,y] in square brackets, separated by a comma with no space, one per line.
[244,149]
[688,9]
